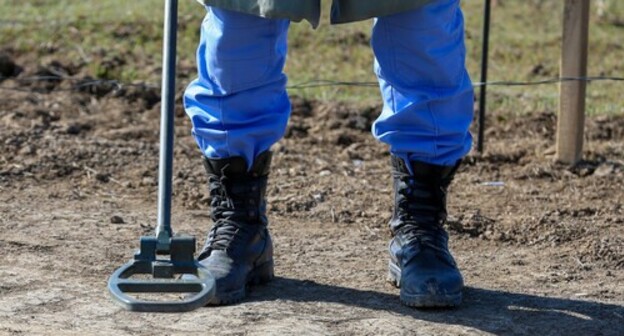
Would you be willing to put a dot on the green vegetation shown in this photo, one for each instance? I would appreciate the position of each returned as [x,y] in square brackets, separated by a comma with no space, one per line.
[526,37]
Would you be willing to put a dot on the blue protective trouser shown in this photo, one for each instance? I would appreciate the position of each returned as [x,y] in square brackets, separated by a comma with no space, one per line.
[239,105]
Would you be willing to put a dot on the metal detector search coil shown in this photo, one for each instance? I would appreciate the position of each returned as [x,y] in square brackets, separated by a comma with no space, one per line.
[200,289]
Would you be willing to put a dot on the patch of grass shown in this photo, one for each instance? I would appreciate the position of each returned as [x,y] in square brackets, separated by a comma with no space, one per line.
[526,38]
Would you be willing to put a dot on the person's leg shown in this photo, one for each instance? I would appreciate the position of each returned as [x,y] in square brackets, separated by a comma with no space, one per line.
[239,108]
[427,112]
[427,92]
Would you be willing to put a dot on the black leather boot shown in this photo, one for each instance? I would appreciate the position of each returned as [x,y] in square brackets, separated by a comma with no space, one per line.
[238,250]
[420,261]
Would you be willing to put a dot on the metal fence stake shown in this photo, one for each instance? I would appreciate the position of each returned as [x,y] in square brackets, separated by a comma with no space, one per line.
[484,75]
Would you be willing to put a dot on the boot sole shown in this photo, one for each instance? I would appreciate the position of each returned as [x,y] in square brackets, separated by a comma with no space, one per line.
[422,300]
[258,276]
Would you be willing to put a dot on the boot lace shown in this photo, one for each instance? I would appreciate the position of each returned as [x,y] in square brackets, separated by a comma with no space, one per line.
[228,218]
[421,211]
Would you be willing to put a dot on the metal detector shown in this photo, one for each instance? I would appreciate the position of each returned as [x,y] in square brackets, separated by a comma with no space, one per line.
[163,258]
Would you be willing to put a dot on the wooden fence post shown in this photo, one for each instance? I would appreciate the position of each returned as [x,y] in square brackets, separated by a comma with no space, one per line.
[571,122]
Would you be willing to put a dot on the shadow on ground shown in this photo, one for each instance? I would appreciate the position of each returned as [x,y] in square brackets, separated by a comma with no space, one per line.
[497,312]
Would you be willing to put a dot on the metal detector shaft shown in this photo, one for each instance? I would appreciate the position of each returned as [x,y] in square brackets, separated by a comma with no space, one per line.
[163,231]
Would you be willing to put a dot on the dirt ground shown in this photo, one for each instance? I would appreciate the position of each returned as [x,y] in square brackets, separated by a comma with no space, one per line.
[541,245]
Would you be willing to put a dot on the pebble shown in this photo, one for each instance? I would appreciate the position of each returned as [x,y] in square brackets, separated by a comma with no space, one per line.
[604,170]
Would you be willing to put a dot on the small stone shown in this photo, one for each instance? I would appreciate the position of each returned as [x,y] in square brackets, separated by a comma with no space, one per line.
[73,129]
[319,197]
[117,220]
[28,150]
[493,184]
[8,68]
[325,173]
[147,181]
[604,170]
[104,178]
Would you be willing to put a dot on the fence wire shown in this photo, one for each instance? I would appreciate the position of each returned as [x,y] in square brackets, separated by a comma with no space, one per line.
[114,85]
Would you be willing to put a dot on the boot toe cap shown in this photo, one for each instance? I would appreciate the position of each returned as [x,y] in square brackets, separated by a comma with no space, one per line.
[430,290]
[446,283]
[228,275]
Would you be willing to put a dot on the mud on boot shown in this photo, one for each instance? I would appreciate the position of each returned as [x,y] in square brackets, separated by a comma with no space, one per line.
[420,261]
[238,250]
